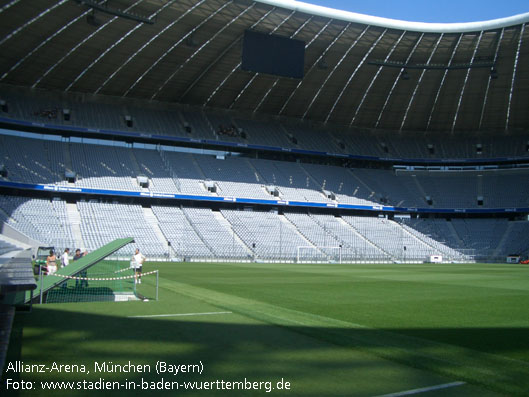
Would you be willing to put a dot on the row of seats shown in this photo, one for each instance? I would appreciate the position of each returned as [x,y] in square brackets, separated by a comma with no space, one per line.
[202,233]
[480,238]
[172,121]
[42,220]
[102,223]
[267,234]
[108,167]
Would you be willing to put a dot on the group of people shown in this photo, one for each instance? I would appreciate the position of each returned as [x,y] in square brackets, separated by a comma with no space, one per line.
[229,131]
[52,266]
[136,264]
[51,260]
[48,113]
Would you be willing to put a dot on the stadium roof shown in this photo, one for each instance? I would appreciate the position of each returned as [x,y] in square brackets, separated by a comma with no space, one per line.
[360,70]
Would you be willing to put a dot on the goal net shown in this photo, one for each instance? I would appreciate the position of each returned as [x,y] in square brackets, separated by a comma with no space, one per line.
[311,253]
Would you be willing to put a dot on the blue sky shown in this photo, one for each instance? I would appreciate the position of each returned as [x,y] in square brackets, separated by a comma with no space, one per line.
[431,11]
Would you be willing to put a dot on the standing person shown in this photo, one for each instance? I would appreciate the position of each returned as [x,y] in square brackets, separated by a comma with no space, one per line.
[137,263]
[77,254]
[65,257]
[51,262]
[81,283]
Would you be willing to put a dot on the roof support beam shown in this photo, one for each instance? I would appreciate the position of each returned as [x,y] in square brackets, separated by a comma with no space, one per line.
[500,38]
[419,81]
[263,99]
[443,81]
[34,19]
[176,44]
[202,47]
[360,65]
[398,78]
[353,45]
[454,66]
[370,84]
[147,44]
[257,74]
[114,11]
[12,3]
[210,66]
[108,49]
[515,68]
[43,43]
[340,34]
[75,47]
[221,84]
[465,82]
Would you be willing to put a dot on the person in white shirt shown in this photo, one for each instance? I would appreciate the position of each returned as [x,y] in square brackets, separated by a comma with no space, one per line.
[137,264]
[65,259]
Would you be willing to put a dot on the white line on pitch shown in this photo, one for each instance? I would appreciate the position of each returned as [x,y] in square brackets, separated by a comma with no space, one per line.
[423,389]
[179,314]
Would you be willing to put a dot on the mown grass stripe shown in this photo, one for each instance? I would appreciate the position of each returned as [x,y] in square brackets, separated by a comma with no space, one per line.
[456,362]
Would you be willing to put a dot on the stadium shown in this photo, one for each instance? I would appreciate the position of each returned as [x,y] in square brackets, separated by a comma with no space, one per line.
[329,203]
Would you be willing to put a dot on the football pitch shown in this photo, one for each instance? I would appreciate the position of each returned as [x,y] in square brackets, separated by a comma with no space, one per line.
[245,329]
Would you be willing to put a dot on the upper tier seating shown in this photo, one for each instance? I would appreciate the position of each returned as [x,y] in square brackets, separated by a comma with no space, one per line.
[166,119]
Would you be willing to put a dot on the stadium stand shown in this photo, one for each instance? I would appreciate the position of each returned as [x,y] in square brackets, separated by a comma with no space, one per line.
[100,113]
[86,160]
[183,236]
[102,223]
[342,182]
[40,161]
[162,178]
[514,241]
[103,167]
[111,167]
[117,168]
[483,239]
[218,234]
[234,177]
[269,235]
[390,238]
[134,121]
[42,220]
[353,244]
[200,233]
[186,169]
[200,126]
[290,178]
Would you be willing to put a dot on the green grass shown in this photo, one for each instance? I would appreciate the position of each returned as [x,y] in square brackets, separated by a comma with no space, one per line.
[330,330]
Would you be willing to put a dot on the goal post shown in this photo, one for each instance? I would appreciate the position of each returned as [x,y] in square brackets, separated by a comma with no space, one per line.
[312,253]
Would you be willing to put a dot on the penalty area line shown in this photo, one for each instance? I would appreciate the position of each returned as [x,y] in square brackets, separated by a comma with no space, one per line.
[178,315]
[423,389]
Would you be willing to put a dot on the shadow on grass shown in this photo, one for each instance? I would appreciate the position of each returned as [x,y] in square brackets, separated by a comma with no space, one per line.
[330,361]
